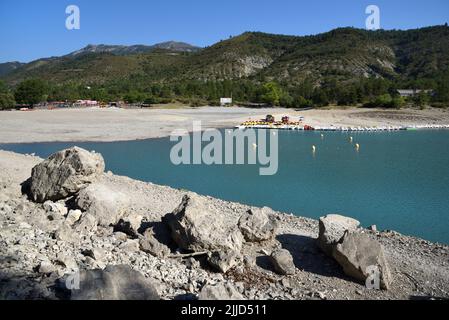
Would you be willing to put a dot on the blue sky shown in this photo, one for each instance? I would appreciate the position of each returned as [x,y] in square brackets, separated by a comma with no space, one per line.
[34,29]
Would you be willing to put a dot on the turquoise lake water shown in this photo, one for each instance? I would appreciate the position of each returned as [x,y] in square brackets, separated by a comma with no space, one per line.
[398,180]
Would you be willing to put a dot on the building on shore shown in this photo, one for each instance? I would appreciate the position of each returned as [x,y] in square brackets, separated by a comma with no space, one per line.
[225,101]
[406,93]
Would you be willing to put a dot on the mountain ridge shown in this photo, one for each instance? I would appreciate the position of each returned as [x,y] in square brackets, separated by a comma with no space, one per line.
[135,49]
[343,54]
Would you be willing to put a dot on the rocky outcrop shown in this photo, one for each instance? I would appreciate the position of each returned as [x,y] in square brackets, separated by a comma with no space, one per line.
[360,256]
[196,226]
[257,225]
[118,282]
[64,173]
[219,292]
[332,228]
[102,202]
[282,262]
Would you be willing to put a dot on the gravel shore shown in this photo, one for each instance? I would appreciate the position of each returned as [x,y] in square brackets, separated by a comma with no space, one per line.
[420,269]
[112,124]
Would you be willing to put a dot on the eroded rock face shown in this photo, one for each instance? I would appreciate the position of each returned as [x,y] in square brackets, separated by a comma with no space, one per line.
[332,228]
[196,226]
[282,262]
[64,173]
[114,283]
[105,204]
[256,225]
[358,254]
[219,292]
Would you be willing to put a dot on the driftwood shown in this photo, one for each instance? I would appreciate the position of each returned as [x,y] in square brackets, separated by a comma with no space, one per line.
[188,255]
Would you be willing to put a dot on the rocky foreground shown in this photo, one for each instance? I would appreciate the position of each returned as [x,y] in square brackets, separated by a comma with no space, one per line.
[68,230]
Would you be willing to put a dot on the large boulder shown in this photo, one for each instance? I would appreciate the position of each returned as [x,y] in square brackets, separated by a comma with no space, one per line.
[64,173]
[197,226]
[114,283]
[358,254]
[332,228]
[104,203]
[257,225]
[282,262]
[219,291]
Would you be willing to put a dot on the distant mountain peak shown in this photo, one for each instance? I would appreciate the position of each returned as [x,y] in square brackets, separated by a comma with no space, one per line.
[133,49]
[176,46]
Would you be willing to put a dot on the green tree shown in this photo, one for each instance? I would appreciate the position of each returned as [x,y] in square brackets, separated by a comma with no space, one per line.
[320,98]
[397,102]
[6,97]
[422,99]
[271,93]
[31,92]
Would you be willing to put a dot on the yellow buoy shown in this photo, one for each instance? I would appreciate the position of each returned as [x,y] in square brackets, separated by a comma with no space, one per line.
[254,146]
[351,139]
[357,146]
[313,149]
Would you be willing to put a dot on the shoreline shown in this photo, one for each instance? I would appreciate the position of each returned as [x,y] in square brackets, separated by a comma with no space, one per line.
[114,125]
[316,276]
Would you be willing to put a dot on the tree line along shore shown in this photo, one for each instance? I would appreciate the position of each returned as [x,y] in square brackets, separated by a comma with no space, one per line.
[369,93]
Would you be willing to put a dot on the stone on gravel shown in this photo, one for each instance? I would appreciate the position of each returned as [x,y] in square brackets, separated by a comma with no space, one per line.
[129,225]
[118,282]
[67,261]
[86,224]
[196,226]
[357,252]
[120,236]
[105,204]
[64,173]
[46,267]
[282,262]
[219,291]
[66,233]
[55,207]
[130,246]
[94,253]
[332,228]
[256,225]
[224,260]
[73,216]
[149,244]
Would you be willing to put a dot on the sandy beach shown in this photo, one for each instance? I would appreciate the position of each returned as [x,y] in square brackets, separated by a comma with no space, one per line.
[113,124]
